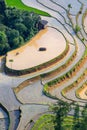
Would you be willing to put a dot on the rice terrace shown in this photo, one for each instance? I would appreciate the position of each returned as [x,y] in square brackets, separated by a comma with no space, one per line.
[43,64]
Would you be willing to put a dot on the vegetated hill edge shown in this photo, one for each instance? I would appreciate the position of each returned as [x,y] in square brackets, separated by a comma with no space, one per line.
[20,5]
[16,27]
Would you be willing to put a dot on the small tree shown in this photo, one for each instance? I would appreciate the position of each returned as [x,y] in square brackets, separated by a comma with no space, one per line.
[84,118]
[17,42]
[61,110]
[69,7]
[3,38]
[76,120]
[2,6]
[4,48]
[21,28]
[77,29]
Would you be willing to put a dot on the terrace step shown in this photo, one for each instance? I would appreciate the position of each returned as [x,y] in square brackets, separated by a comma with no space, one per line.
[81,92]
[70,91]
[28,112]
[61,66]
[56,91]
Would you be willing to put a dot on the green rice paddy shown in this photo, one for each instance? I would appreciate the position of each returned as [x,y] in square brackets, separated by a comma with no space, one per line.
[18,4]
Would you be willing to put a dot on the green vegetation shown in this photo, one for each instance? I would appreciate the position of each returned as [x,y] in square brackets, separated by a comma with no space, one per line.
[85,52]
[60,110]
[62,78]
[69,7]
[16,27]
[44,123]
[21,6]
[77,29]
[60,120]
[76,119]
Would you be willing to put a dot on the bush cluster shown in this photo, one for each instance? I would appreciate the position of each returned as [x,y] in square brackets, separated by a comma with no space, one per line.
[16,27]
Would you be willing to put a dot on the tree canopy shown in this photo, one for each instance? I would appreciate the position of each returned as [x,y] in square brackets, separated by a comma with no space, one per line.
[16,27]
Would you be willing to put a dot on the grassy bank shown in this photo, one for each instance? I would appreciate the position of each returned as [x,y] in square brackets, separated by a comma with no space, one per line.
[20,5]
[45,122]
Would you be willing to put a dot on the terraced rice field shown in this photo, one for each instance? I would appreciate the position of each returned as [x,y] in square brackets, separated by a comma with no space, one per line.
[64,79]
[45,122]
[53,49]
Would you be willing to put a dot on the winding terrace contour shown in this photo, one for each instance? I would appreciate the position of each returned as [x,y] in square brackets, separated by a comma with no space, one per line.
[59,33]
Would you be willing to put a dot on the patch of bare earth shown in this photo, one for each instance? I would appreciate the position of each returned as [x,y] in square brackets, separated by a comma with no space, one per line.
[29,55]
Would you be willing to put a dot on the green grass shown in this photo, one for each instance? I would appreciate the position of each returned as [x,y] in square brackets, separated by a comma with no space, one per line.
[45,122]
[85,52]
[18,4]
